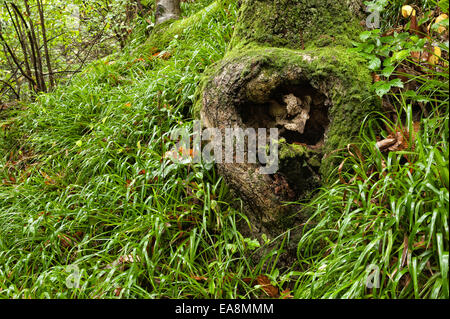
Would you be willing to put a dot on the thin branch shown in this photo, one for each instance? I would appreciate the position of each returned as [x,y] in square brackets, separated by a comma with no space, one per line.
[16,62]
[11,87]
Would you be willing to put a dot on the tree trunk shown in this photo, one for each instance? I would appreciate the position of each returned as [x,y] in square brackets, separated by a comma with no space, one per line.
[167,10]
[36,51]
[22,40]
[44,39]
[288,68]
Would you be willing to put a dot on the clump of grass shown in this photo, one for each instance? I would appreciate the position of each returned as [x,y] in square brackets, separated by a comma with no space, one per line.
[382,231]
[85,193]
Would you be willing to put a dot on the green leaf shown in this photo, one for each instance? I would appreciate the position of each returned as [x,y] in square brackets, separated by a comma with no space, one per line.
[388,71]
[400,55]
[382,88]
[252,244]
[365,35]
[369,48]
[375,63]
[397,83]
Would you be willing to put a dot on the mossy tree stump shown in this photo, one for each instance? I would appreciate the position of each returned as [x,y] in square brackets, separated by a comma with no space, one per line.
[283,53]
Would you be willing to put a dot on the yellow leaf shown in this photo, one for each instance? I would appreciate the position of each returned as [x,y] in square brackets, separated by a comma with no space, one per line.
[439,19]
[408,11]
[434,59]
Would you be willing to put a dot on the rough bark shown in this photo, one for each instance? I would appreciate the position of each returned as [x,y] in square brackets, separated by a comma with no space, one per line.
[167,10]
[289,55]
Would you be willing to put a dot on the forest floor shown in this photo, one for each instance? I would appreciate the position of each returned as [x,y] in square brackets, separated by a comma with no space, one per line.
[91,206]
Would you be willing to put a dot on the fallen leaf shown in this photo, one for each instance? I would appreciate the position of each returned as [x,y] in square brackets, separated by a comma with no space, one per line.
[122,261]
[442,17]
[415,55]
[199,278]
[66,242]
[286,294]
[48,180]
[117,292]
[434,58]
[407,11]
[268,288]
[405,252]
[384,144]
[376,78]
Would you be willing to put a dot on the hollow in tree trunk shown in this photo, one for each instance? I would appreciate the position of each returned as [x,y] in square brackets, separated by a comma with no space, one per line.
[289,68]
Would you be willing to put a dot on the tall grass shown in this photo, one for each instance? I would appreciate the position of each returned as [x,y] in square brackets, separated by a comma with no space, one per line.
[85,191]
[382,230]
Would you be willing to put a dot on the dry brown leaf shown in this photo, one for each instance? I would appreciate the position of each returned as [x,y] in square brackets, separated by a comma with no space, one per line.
[127,259]
[420,243]
[48,179]
[415,55]
[268,288]
[387,142]
[165,55]
[286,294]
[376,78]
[405,252]
[199,278]
[122,261]
[399,143]
[117,291]
[66,242]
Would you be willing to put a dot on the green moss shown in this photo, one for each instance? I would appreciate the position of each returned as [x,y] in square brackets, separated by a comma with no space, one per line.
[290,150]
[165,32]
[296,23]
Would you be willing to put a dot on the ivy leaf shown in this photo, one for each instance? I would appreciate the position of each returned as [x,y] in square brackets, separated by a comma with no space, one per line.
[396,83]
[382,88]
[374,63]
[388,71]
[369,48]
[365,35]
[400,55]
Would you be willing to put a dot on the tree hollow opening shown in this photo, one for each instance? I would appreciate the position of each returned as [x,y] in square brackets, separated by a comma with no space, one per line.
[299,111]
